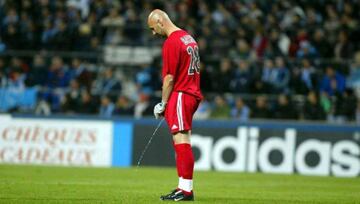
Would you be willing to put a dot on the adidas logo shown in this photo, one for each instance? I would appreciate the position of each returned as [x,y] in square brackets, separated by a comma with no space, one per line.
[174,127]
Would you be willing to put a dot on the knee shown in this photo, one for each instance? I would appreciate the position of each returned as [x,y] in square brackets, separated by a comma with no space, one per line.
[182,137]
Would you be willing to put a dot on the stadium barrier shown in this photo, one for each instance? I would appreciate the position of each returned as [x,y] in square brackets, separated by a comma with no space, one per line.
[261,146]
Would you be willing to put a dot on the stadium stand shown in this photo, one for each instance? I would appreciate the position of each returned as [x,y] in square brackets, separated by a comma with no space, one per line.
[295,60]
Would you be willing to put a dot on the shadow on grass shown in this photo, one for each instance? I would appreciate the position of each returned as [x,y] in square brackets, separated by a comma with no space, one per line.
[250,200]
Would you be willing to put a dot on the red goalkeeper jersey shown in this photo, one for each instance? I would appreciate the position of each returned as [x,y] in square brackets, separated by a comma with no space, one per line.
[181,59]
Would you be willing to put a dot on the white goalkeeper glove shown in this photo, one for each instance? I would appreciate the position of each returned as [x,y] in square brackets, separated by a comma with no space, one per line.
[159,109]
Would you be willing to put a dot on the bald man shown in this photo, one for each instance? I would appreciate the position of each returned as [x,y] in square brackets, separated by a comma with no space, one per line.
[181,96]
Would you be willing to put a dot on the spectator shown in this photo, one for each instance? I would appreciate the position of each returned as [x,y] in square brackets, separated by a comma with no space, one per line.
[284,109]
[312,108]
[207,37]
[313,19]
[28,31]
[113,19]
[3,74]
[281,76]
[224,75]
[2,45]
[344,106]
[267,71]
[204,110]
[261,108]
[221,42]
[221,109]
[146,80]
[83,37]
[11,17]
[323,46]
[87,103]
[80,72]
[11,37]
[17,74]
[37,74]
[58,74]
[306,51]
[94,44]
[17,80]
[333,82]
[47,35]
[204,49]
[259,43]
[354,77]
[332,22]
[132,29]
[358,112]
[206,82]
[124,106]
[305,78]
[112,24]
[142,106]
[62,39]
[260,87]
[277,76]
[326,104]
[277,45]
[71,101]
[73,15]
[107,107]
[343,48]
[58,78]
[241,51]
[240,111]
[241,80]
[108,83]
[219,14]
[18,64]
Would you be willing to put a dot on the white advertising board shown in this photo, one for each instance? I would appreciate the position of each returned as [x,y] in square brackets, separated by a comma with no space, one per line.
[56,142]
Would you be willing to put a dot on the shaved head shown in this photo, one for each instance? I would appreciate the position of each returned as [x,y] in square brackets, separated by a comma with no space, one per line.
[156,15]
[160,23]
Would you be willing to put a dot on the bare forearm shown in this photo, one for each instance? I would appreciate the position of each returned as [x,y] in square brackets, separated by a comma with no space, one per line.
[168,85]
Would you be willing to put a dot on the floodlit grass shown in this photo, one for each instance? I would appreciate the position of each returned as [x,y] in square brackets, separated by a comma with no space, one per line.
[38,184]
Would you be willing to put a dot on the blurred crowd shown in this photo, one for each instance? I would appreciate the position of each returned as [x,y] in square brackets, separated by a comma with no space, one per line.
[282,59]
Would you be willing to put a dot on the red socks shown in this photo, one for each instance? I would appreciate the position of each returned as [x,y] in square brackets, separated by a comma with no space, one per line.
[185,167]
[184,160]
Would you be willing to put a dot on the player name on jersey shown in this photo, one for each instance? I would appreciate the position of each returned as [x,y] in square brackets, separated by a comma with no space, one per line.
[187,39]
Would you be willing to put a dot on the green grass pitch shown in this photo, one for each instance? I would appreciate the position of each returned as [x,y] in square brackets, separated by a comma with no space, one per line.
[38,184]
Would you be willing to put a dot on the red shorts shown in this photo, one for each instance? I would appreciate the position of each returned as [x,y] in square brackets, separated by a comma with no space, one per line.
[179,111]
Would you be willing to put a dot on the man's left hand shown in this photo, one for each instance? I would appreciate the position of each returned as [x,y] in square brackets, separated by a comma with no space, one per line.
[159,109]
